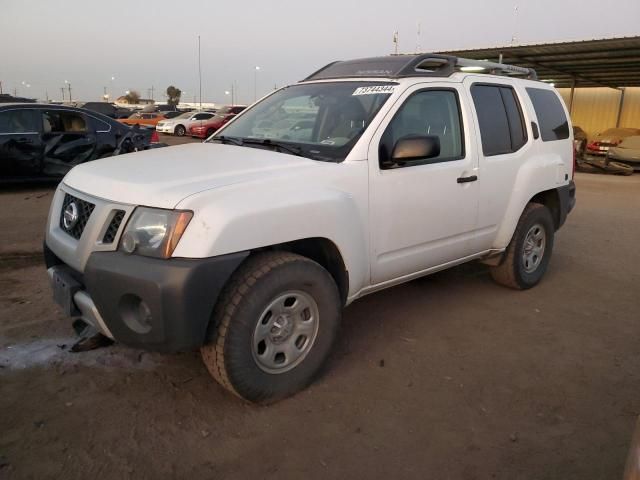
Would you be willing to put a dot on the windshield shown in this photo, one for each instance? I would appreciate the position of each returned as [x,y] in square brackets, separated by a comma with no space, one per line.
[322,121]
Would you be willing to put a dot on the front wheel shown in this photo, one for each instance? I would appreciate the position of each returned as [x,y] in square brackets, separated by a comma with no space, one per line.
[273,327]
[180,131]
[529,251]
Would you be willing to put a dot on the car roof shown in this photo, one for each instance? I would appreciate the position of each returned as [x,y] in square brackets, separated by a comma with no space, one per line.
[50,106]
[416,65]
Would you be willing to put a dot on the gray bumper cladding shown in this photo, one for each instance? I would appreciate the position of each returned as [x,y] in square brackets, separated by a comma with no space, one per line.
[155,304]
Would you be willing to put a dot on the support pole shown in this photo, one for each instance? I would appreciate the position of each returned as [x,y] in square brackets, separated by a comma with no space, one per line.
[573,88]
[620,105]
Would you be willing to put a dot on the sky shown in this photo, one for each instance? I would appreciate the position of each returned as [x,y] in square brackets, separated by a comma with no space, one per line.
[144,44]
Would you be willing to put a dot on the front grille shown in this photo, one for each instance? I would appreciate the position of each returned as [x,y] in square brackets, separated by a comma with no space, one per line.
[84,210]
[114,225]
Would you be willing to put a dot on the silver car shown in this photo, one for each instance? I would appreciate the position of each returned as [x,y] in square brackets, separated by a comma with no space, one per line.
[627,152]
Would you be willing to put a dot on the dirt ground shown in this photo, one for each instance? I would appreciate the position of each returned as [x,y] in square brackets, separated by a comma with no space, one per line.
[446,377]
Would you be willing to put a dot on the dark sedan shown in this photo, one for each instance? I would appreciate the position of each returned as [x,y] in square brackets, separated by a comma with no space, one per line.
[46,141]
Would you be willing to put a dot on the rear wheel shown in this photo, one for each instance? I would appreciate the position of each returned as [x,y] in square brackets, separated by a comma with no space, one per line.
[180,131]
[529,251]
[273,327]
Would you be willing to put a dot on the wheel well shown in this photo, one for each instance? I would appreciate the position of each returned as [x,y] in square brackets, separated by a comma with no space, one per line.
[324,252]
[551,200]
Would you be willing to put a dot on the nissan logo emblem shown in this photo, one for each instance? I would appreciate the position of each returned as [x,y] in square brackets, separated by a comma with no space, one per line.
[70,216]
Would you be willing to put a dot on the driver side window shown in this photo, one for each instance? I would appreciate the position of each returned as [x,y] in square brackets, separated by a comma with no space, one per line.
[427,112]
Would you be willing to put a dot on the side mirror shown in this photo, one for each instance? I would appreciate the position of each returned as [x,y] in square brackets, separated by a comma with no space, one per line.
[414,148]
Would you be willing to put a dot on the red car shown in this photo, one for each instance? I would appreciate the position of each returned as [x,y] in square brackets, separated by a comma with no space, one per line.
[222,116]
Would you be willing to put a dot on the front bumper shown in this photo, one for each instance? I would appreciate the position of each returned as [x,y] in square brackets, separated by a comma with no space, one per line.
[149,303]
[165,128]
[632,162]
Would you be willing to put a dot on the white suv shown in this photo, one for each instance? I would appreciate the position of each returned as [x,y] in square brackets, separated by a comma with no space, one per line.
[367,174]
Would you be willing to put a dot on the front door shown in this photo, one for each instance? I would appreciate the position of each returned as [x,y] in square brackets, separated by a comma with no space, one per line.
[20,145]
[423,214]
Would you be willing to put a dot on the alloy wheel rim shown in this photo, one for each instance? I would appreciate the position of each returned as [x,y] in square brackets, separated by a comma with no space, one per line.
[534,245]
[285,332]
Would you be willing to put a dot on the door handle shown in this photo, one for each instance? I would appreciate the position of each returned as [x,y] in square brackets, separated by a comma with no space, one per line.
[472,178]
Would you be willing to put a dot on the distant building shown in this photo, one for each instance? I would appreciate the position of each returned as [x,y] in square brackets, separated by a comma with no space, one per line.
[142,101]
[6,98]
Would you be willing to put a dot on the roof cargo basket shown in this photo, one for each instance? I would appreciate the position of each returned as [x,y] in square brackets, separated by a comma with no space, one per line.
[424,65]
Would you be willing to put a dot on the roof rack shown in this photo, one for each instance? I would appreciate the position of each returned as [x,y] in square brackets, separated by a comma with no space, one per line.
[423,65]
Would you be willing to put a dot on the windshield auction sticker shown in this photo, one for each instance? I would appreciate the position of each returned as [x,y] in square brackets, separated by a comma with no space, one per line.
[374,90]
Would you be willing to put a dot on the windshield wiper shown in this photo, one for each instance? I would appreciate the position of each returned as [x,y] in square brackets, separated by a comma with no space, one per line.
[261,141]
[270,143]
[231,140]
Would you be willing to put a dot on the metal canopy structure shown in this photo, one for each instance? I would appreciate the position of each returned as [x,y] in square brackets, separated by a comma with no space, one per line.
[610,62]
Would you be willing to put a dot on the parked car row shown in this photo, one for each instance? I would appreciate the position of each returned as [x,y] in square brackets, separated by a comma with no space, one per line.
[208,127]
[45,141]
[614,144]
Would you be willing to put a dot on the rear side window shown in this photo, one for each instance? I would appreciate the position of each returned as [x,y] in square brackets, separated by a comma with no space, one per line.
[98,125]
[500,119]
[63,121]
[18,121]
[551,117]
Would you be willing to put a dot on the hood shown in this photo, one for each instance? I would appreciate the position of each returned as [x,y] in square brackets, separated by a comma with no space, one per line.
[170,120]
[615,135]
[162,177]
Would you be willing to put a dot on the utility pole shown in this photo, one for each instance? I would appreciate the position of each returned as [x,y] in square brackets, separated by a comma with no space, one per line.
[62,90]
[15,92]
[46,94]
[0,87]
[152,89]
[199,72]
[69,87]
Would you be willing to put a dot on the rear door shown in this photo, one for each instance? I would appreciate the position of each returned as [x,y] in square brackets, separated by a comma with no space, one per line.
[20,143]
[68,140]
[107,136]
[504,144]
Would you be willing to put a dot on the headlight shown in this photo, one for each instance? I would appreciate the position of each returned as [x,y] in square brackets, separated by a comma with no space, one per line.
[153,232]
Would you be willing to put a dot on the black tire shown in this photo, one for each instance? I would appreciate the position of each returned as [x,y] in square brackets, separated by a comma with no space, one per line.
[210,132]
[586,167]
[179,131]
[230,355]
[512,272]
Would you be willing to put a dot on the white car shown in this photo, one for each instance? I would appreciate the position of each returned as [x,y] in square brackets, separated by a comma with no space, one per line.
[367,174]
[180,125]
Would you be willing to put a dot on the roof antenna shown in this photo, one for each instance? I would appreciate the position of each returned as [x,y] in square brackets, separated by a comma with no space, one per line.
[515,25]
[395,42]
[418,46]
